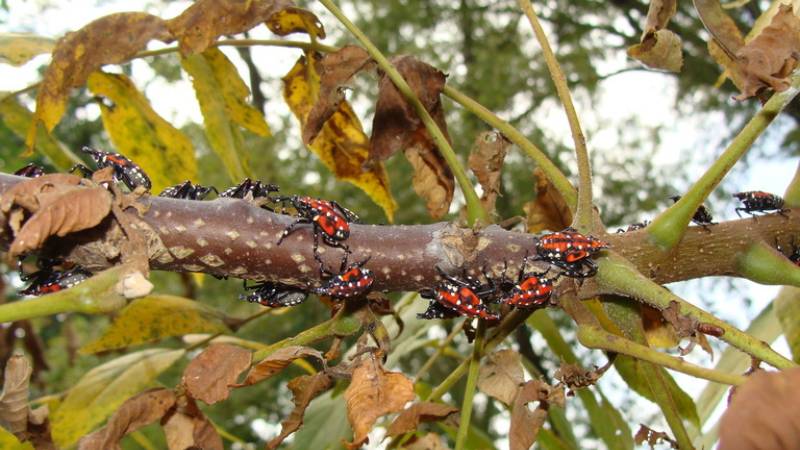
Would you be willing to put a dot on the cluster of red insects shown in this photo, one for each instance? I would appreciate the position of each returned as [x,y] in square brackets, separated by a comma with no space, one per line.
[568,252]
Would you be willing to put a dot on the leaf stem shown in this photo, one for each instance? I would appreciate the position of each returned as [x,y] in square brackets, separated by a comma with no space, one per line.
[472,384]
[584,213]
[669,227]
[792,194]
[554,175]
[339,325]
[475,210]
[439,352]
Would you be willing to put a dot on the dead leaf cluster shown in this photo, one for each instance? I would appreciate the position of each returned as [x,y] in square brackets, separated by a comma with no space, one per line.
[16,415]
[652,437]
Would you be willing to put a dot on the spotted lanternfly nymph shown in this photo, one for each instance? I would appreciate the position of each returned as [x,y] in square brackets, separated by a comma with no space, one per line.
[530,290]
[188,191]
[274,295]
[125,170]
[759,201]
[570,251]
[634,227]
[30,171]
[329,220]
[701,216]
[256,189]
[459,297]
[794,256]
[353,280]
[46,280]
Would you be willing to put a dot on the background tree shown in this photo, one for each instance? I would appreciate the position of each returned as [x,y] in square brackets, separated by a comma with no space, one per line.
[487,50]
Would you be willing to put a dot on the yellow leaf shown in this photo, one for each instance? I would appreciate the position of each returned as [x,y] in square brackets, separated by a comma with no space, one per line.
[295,20]
[138,132]
[104,389]
[10,442]
[341,144]
[19,48]
[155,317]
[223,135]
[18,119]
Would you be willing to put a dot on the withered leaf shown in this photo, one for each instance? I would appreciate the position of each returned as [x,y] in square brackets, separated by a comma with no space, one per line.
[727,38]
[304,389]
[430,441]
[659,13]
[770,57]
[548,211]
[135,413]
[203,22]
[763,413]
[278,361]
[652,437]
[188,428]
[411,417]
[295,20]
[574,376]
[501,375]
[64,213]
[210,376]
[660,332]
[486,160]
[82,52]
[659,50]
[374,392]
[525,424]
[14,397]
[396,126]
[335,70]
[26,193]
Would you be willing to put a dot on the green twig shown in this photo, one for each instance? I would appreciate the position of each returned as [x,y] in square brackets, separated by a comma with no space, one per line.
[553,174]
[668,228]
[792,194]
[472,384]
[584,213]
[475,210]
[97,295]
[339,325]
[617,276]
[765,265]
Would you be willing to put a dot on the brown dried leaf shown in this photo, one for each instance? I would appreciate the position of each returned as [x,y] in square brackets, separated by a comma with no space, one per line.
[727,38]
[770,57]
[525,424]
[432,180]
[652,437]
[574,376]
[486,161]
[135,413]
[203,22]
[26,193]
[659,13]
[188,428]
[276,362]
[82,52]
[548,211]
[763,413]
[430,441]
[335,70]
[659,50]
[64,213]
[411,417]
[374,392]
[501,375]
[210,376]
[304,389]
[14,397]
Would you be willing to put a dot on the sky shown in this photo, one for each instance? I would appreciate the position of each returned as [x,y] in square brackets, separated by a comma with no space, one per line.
[647,95]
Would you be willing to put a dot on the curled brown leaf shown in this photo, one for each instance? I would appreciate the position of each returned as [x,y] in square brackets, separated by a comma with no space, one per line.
[278,361]
[14,397]
[26,193]
[304,389]
[374,392]
[411,417]
[210,376]
[486,161]
[763,413]
[501,375]
[525,424]
[652,437]
[135,413]
[188,428]
[432,180]
[63,213]
[548,211]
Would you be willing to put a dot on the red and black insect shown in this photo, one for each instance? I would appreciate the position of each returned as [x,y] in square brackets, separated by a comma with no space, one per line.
[531,289]
[759,201]
[30,171]
[459,296]
[634,227]
[125,170]
[571,251]
[256,189]
[701,217]
[353,280]
[274,295]
[794,256]
[47,280]
[188,191]
[329,220]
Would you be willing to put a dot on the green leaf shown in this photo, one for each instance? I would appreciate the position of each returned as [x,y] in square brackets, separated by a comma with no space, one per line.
[787,308]
[155,317]
[18,119]
[103,389]
[10,442]
[18,48]
[324,424]
[139,133]
[222,133]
